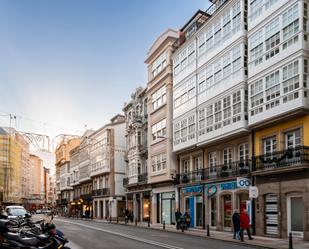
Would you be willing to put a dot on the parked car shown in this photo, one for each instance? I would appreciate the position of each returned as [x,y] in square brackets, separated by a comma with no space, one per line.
[14,212]
[38,211]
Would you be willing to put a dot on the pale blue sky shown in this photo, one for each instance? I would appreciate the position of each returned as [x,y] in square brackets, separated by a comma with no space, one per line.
[71,63]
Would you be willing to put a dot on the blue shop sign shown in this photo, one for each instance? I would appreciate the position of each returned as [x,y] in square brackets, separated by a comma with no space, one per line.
[228,185]
[193,189]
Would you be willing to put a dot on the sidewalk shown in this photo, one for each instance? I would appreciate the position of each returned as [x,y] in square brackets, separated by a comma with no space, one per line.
[259,241]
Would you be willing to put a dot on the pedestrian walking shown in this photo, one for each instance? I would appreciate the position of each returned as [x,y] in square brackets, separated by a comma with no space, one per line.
[236,224]
[188,219]
[244,225]
[177,218]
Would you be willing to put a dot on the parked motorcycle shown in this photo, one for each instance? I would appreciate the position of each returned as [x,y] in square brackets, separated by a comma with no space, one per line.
[27,234]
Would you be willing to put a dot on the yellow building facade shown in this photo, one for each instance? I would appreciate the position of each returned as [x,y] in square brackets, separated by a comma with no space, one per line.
[282,177]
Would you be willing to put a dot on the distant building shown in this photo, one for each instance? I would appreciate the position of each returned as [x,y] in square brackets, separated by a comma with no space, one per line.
[136,156]
[14,167]
[63,173]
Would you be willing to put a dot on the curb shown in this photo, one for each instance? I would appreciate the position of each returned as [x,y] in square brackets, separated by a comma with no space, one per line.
[178,232]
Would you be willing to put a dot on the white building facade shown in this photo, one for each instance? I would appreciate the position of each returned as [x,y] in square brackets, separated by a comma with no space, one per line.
[210,114]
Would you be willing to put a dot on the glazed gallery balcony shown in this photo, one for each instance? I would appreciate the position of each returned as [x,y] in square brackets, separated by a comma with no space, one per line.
[286,160]
[140,179]
[101,192]
[218,172]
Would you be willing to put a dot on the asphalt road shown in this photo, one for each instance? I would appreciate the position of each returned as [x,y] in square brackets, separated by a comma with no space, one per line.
[89,234]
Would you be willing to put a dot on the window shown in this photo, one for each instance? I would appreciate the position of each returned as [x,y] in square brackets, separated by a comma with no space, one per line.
[256,8]
[243,152]
[290,81]
[158,162]
[159,64]
[270,145]
[212,162]
[186,166]
[272,46]
[158,98]
[227,156]
[292,139]
[201,44]
[198,164]
[159,130]
[185,92]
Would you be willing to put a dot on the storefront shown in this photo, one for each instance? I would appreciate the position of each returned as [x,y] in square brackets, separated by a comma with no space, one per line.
[192,202]
[282,204]
[220,200]
[163,205]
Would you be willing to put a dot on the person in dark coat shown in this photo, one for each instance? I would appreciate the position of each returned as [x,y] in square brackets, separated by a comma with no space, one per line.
[188,219]
[236,224]
[244,225]
[177,218]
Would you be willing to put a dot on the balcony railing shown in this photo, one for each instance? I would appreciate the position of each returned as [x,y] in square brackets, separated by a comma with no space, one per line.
[101,192]
[237,168]
[142,178]
[293,157]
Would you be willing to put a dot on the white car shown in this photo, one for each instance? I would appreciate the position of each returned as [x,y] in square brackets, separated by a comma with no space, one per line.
[16,211]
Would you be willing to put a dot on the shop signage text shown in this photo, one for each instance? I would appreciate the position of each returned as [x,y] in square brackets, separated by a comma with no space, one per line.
[228,185]
[193,189]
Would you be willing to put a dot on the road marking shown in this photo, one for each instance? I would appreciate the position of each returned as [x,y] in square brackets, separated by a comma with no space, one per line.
[146,241]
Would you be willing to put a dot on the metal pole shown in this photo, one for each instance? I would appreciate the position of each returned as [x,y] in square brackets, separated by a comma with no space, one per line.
[290,241]
[149,222]
[208,233]
[164,225]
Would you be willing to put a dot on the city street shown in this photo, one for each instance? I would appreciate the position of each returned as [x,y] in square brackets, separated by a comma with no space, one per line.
[88,234]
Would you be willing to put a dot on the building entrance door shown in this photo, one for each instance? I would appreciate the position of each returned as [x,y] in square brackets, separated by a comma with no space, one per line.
[295,211]
[199,210]
[213,211]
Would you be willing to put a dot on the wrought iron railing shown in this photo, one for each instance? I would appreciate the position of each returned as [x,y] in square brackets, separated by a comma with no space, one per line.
[282,159]
[140,179]
[237,168]
[101,192]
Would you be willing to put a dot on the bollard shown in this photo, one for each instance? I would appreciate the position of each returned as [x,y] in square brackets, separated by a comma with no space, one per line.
[117,220]
[164,225]
[110,219]
[290,241]
[149,222]
[126,220]
[208,233]
[135,221]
